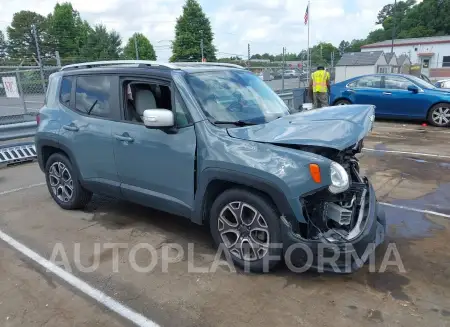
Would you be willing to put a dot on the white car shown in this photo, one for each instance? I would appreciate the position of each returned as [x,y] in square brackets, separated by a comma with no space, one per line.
[443,83]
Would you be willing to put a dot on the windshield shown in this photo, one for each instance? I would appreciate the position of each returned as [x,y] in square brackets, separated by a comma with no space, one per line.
[236,95]
[422,83]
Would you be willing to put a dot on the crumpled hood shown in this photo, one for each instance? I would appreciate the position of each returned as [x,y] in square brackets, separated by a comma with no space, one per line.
[333,127]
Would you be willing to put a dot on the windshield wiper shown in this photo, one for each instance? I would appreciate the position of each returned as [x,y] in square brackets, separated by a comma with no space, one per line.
[236,122]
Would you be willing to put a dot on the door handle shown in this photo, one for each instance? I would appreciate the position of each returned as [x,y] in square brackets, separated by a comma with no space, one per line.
[124,138]
[71,128]
[387,93]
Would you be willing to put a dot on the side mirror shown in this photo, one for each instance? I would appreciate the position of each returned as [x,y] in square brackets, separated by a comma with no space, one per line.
[158,118]
[438,85]
[412,88]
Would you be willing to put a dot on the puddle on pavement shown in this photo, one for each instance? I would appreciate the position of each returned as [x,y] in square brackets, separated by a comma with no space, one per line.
[409,224]
[438,200]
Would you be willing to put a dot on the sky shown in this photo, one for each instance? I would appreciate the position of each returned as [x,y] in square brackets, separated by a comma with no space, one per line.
[267,25]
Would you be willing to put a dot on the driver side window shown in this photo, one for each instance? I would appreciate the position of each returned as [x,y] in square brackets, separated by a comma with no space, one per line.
[140,96]
[396,83]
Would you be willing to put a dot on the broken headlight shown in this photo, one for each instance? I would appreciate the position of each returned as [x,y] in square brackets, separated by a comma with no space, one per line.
[339,178]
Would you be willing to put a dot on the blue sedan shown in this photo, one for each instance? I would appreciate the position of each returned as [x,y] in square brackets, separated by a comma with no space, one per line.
[396,96]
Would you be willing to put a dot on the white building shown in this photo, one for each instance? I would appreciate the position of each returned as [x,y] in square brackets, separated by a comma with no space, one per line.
[354,64]
[428,52]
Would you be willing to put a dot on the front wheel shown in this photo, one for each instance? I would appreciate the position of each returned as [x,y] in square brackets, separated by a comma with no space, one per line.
[247,227]
[342,102]
[439,115]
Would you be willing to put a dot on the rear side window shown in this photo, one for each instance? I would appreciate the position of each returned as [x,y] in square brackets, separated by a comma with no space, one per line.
[66,90]
[367,82]
[93,95]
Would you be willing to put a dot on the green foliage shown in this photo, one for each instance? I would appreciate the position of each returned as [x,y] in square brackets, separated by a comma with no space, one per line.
[191,27]
[322,52]
[2,45]
[67,31]
[400,10]
[145,48]
[21,42]
[101,44]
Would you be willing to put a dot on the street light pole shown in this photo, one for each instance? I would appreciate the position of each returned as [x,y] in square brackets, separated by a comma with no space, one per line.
[394,27]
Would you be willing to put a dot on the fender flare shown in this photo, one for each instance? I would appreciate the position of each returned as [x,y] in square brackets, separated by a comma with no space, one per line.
[210,175]
[40,144]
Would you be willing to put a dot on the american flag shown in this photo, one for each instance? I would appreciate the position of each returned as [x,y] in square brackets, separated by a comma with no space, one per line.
[306,15]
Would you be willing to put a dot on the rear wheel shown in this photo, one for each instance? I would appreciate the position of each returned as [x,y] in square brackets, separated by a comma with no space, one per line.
[247,227]
[439,115]
[63,183]
[342,102]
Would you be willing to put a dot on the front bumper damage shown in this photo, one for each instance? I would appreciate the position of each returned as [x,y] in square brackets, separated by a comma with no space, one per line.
[334,251]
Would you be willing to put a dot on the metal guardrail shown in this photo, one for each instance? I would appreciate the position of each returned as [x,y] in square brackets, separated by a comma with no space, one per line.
[17,153]
[17,127]
[288,98]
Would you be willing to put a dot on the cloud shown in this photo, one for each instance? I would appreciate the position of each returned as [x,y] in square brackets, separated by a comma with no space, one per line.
[267,25]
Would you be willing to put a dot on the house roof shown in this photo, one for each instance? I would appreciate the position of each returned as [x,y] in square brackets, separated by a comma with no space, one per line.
[401,59]
[413,41]
[359,58]
[389,56]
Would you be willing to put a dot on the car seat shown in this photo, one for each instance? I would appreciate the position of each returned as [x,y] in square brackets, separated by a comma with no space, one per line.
[143,100]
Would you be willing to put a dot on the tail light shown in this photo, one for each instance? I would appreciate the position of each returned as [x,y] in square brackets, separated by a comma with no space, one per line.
[38,119]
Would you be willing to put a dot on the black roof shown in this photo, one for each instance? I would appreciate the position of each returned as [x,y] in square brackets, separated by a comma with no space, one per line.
[360,58]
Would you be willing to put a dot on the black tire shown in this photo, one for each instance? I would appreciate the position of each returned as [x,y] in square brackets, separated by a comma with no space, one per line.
[439,110]
[250,200]
[342,102]
[79,197]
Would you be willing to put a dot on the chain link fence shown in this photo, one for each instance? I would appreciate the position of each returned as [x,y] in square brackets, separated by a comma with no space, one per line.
[22,91]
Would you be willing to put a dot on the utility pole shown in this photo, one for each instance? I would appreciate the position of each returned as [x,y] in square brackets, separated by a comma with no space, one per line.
[282,70]
[201,44]
[248,55]
[332,59]
[39,56]
[136,47]
[394,27]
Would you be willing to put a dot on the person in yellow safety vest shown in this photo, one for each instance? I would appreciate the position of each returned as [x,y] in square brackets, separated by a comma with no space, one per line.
[319,87]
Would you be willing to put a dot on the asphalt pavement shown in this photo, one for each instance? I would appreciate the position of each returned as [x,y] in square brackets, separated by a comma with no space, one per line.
[408,165]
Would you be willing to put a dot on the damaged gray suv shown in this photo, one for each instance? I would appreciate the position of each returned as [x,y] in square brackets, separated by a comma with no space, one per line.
[213,143]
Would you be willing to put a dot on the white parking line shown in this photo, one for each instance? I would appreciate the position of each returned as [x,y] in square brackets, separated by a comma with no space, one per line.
[410,153]
[80,285]
[416,210]
[419,130]
[21,188]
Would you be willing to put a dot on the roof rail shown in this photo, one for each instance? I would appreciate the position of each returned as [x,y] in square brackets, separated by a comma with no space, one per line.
[117,62]
[220,64]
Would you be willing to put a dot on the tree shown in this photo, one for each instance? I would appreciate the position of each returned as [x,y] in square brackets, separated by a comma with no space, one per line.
[68,33]
[21,41]
[2,46]
[101,44]
[321,53]
[193,26]
[388,10]
[343,46]
[378,35]
[145,48]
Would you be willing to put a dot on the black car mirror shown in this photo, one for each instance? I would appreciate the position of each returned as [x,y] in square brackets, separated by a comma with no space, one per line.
[413,88]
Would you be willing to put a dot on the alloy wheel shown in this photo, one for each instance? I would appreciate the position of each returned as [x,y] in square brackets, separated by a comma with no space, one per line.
[61,181]
[244,231]
[441,115]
